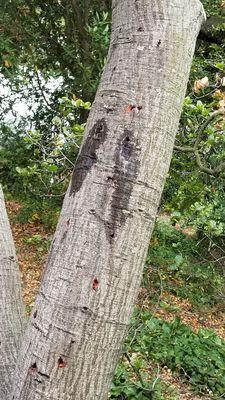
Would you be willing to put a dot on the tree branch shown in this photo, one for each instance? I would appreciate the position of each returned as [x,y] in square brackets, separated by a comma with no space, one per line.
[184,149]
[41,88]
[80,23]
[212,31]
[202,128]
[195,150]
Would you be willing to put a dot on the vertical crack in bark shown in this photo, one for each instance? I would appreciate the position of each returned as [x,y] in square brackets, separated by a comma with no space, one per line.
[88,154]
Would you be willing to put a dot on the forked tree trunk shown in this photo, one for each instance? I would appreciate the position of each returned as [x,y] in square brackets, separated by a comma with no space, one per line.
[95,266]
[11,312]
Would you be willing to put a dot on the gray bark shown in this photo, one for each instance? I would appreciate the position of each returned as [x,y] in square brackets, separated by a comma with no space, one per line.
[12,311]
[92,277]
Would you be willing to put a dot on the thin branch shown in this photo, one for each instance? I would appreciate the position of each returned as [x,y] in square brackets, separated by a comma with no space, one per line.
[157,377]
[80,23]
[206,94]
[220,167]
[147,391]
[41,88]
[86,11]
[201,130]
[195,150]
[45,195]
[136,370]
[201,166]
[184,149]
[45,152]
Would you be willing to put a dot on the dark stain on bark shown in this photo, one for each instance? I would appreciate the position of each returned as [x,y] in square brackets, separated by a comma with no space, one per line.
[64,235]
[86,311]
[127,145]
[88,154]
[159,42]
[124,175]
[136,5]
[33,366]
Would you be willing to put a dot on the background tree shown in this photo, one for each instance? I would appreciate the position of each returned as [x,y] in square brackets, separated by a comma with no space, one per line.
[12,316]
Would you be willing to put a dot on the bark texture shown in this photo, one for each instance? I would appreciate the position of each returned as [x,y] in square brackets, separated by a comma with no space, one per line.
[12,311]
[95,266]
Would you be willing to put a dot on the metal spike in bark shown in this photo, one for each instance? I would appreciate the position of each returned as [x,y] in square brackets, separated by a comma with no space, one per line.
[94,270]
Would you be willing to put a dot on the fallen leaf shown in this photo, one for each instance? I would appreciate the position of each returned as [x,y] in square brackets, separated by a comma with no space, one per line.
[201,84]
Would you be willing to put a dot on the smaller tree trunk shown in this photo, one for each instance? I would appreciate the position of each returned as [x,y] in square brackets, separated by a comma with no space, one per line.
[12,310]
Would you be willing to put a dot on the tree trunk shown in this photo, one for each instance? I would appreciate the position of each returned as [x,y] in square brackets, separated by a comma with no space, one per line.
[12,312]
[94,270]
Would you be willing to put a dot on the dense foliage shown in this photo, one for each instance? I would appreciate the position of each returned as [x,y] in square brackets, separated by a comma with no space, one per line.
[195,186]
[176,268]
[67,39]
[54,55]
[197,357]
